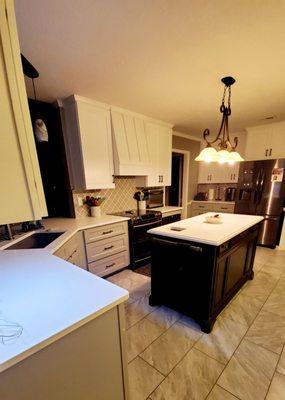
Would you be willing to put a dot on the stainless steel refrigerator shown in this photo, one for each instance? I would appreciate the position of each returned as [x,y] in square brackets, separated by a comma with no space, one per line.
[261,191]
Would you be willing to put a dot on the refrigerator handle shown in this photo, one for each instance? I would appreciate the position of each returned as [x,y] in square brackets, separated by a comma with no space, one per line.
[260,190]
[256,186]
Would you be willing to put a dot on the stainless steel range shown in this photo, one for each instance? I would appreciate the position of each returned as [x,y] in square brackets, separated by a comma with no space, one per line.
[140,241]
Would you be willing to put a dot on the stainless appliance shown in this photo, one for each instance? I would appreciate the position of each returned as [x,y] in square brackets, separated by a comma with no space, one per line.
[230,194]
[154,197]
[140,241]
[261,191]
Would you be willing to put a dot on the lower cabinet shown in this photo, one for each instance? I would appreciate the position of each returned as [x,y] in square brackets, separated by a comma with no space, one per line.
[168,219]
[101,250]
[73,251]
[202,207]
[87,363]
[107,248]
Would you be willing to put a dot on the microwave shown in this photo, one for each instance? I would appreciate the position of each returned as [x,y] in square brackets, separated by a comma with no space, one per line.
[154,197]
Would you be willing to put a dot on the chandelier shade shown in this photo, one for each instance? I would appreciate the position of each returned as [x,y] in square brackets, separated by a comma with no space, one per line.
[226,149]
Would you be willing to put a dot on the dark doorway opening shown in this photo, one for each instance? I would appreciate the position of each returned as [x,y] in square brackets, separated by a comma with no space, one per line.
[173,193]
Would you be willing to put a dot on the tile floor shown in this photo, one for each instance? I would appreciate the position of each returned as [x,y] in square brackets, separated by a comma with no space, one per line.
[243,358]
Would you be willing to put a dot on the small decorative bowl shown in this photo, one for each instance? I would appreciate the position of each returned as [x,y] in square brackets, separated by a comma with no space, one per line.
[214,219]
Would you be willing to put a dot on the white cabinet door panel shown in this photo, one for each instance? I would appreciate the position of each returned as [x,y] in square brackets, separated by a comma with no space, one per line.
[95,131]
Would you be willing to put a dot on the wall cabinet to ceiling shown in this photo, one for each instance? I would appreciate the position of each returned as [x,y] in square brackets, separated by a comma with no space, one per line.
[159,139]
[89,143]
[21,194]
[265,142]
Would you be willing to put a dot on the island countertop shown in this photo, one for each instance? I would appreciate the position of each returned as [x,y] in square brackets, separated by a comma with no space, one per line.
[197,230]
[43,298]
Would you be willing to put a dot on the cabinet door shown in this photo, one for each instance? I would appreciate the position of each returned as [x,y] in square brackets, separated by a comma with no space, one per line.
[204,172]
[97,155]
[21,193]
[256,143]
[164,155]
[276,141]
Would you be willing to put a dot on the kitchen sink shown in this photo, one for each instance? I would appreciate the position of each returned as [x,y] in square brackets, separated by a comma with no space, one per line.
[37,240]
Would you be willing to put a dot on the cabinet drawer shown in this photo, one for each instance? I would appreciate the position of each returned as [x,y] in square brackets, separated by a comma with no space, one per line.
[202,206]
[226,208]
[105,231]
[110,264]
[103,248]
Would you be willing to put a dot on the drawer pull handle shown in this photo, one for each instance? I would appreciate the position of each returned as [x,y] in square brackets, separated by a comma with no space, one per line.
[108,247]
[107,232]
[224,208]
[196,249]
[110,265]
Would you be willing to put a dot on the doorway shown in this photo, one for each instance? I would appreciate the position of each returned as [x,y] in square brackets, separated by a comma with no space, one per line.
[177,194]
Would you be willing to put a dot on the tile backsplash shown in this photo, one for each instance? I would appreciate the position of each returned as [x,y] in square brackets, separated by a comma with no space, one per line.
[118,199]
[204,187]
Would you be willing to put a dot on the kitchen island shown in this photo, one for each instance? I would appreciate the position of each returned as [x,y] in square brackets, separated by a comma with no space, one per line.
[198,269]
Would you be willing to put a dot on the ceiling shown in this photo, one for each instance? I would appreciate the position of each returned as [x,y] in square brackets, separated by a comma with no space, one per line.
[161,58]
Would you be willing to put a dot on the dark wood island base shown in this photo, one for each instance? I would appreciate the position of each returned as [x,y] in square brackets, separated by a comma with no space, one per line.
[199,279]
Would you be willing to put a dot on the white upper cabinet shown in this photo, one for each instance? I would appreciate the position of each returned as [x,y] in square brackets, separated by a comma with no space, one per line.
[131,151]
[159,140]
[21,192]
[266,142]
[89,141]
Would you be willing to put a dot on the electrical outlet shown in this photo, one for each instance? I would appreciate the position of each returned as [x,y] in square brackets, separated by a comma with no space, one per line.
[80,201]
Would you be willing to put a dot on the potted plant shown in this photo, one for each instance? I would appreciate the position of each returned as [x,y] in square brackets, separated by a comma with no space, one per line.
[94,203]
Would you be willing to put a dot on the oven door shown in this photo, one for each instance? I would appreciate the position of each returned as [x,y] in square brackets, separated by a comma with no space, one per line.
[141,243]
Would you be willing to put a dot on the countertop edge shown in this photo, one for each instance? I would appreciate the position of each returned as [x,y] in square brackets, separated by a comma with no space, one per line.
[27,353]
[174,235]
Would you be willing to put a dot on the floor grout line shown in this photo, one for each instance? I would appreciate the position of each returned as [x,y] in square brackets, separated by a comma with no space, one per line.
[244,337]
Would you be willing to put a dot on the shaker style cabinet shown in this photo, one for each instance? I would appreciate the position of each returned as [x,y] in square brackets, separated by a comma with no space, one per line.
[265,142]
[21,194]
[217,173]
[89,143]
[159,137]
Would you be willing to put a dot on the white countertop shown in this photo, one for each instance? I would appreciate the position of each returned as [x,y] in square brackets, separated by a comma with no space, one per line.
[197,230]
[70,226]
[44,298]
[168,209]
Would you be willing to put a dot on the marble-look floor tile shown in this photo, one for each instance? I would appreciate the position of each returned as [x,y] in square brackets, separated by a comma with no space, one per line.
[137,285]
[275,303]
[271,270]
[277,388]
[243,309]
[219,393]
[249,372]
[262,254]
[257,266]
[141,335]
[164,317]
[165,352]
[268,330]
[191,379]
[143,379]
[223,340]
[137,310]
[260,287]
[281,364]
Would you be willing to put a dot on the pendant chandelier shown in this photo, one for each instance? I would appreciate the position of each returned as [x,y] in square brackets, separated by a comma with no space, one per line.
[226,152]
